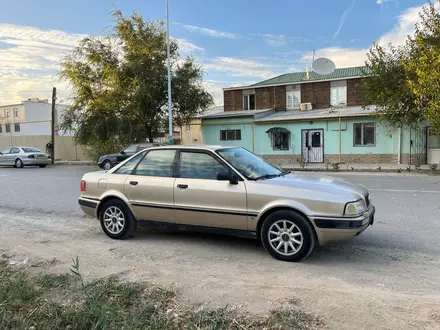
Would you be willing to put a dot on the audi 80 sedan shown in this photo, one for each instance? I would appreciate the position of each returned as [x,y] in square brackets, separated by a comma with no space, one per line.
[226,190]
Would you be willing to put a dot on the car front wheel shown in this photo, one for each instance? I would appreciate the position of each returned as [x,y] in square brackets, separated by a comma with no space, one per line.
[287,236]
[107,165]
[117,222]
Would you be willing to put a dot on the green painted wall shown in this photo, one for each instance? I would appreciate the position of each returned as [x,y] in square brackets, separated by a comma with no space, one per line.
[386,140]
[211,131]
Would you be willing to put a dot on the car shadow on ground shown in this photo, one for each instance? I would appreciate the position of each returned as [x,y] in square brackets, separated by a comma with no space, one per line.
[350,252]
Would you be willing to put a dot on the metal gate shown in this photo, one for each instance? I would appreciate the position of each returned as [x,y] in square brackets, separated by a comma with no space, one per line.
[418,146]
[312,142]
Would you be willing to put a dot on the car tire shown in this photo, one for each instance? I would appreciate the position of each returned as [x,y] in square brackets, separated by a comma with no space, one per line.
[18,163]
[107,165]
[116,219]
[288,236]
[42,166]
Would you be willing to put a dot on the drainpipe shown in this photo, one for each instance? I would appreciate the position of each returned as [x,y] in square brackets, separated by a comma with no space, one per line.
[399,146]
[340,140]
[253,135]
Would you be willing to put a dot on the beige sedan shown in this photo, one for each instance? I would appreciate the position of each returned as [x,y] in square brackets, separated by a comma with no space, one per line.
[226,190]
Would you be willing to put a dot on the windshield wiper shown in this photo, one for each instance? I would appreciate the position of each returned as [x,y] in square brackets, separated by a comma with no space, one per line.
[266,176]
[284,173]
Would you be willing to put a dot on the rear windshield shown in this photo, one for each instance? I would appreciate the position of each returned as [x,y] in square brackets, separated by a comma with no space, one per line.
[28,150]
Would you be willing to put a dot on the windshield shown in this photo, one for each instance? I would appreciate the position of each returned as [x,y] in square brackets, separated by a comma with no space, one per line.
[248,164]
[28,150]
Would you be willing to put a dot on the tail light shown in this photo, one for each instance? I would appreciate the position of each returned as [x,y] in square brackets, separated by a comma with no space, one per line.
[31,156]
[82,186]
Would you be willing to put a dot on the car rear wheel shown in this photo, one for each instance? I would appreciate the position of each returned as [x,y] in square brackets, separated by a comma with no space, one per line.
[287,236]
[19,163]
[117,222]
[107,165]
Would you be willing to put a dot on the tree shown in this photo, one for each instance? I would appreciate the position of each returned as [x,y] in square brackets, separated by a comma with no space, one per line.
[119,85]
[403,81]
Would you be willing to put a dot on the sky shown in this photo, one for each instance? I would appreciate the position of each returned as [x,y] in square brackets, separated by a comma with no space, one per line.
[238,42]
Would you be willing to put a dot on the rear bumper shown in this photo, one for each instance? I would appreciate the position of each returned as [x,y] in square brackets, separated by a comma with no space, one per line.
[89,206]
[36,161]
[341,229]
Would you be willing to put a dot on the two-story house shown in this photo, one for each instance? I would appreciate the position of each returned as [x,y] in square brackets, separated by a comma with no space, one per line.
[313,118]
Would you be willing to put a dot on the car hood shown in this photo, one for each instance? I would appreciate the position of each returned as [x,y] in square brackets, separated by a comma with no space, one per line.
[320,183]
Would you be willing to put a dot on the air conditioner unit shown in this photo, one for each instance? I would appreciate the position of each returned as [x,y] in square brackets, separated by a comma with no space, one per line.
[306,106]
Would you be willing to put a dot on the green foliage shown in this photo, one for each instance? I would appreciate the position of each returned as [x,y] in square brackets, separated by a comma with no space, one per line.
[119,84]
[404,80]
[58,302]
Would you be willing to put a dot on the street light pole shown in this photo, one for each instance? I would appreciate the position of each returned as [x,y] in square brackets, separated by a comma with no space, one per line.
[170,110]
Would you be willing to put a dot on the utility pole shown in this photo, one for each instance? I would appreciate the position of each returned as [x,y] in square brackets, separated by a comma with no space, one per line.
[54,98]
[170,109]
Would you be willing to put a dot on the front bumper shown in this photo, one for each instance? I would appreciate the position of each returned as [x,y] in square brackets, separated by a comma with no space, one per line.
[330,229]
[89,206]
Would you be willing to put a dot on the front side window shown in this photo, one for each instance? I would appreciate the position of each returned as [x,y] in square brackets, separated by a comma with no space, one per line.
[14,151]
[249,165]
[364,134]
[230,135]
[249,102]
[338,93]
[196,165]
[17,127]
[129,166]
[130,149]
[157,163]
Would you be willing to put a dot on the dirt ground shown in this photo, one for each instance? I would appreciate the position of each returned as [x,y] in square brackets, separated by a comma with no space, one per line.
[223,270]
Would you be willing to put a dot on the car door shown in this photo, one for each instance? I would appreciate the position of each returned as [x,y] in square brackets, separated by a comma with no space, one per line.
[200,199]
[13,155]
[150,186]
[4,156]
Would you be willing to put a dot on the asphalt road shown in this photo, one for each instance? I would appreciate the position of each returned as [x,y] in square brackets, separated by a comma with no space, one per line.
[396,258]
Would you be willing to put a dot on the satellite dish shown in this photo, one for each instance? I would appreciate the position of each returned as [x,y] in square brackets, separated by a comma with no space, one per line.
[323,66]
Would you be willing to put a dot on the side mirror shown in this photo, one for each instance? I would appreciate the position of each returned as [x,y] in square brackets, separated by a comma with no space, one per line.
[227,176]
[122,152]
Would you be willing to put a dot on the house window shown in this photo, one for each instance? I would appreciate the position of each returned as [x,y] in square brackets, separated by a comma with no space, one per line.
[7,128]
[249,99]
[6,113]
[364,135]
[338,93]
[293,97]
[1,129]
[17,127]
[280,138]
[15,112]
[230,135]
[433,140]
[188,127]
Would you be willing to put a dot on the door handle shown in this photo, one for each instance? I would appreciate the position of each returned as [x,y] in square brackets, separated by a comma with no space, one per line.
[182,186]
[133,183]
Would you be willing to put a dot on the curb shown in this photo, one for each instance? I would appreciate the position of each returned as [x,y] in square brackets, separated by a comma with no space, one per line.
[73,163]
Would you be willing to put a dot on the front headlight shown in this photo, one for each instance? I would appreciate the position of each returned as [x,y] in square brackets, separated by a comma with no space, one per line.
[355,208]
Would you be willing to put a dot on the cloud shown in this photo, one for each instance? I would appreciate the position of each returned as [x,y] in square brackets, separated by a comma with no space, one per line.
[274,40]
[238,67]
[343,17]
[345,57]
[187,48]
[381,2]
[212,33]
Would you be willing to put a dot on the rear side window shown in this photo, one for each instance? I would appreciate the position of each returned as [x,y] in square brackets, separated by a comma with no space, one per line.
[129,166]
[157,163]
[29,150]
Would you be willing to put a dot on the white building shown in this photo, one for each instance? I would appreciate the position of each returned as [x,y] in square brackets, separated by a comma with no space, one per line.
[31,117]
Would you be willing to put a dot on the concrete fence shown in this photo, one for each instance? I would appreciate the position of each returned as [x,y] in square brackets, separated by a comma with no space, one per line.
[65,147]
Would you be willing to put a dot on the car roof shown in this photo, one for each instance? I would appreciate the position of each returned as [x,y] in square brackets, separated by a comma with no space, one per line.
[194,146]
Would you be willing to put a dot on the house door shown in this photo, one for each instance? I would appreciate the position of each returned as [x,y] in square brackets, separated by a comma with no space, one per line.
[312,141]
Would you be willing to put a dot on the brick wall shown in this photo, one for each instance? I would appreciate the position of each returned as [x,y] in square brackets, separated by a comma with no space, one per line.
[316,93]
[233,100]
[354,92]
[264,98]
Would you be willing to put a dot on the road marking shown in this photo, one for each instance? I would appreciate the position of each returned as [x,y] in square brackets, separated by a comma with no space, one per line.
[408,191]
